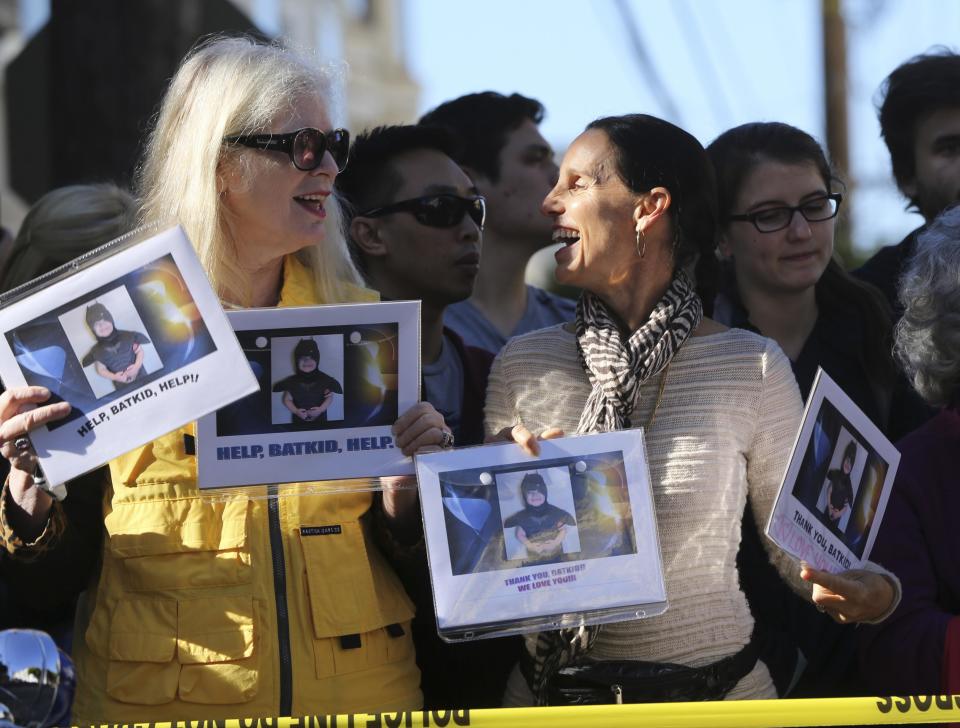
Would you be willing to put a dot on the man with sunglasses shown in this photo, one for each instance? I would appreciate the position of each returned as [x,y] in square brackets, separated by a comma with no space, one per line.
[415,222]
[512,165]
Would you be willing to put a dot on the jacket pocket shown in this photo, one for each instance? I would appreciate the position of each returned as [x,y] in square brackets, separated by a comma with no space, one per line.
[200,650]
[217,649]
[178,544]
[141,650]
[359,610]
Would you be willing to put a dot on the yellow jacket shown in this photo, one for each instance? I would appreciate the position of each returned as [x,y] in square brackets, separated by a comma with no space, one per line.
[213,607]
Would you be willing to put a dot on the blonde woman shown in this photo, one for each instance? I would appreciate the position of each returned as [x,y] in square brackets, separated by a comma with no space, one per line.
[236,606]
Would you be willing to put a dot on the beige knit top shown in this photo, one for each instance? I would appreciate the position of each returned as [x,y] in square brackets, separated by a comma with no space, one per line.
[725,425]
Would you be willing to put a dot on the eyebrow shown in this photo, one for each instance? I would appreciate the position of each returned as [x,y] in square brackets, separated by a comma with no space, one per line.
[950,138]
[782,203]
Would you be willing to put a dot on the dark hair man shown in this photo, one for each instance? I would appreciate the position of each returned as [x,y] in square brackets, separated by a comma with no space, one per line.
[920,123]
[512,166]
[415,221]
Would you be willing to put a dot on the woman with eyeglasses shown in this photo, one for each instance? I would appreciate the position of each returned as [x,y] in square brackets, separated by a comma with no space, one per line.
[260,602]
[778,207]
[635,207]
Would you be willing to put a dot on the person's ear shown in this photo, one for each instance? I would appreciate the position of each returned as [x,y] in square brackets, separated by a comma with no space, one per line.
[228,177]
[723,245]
[651,207]
[368,236]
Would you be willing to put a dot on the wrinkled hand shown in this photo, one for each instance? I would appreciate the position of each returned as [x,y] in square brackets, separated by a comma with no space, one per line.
[18,417]
[857,595]
[420,429]
[524,438]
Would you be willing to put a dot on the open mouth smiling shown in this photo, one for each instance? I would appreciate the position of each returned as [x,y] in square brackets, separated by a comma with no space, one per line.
[567,236]
[313,202]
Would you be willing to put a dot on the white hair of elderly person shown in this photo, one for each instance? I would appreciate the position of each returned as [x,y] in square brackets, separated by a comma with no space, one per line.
[234,605]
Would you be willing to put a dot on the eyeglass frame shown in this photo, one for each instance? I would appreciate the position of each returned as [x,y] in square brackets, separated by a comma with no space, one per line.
[751,217]
[406,205]
[284,143]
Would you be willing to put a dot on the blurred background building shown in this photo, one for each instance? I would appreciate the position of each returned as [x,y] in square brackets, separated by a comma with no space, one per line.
[82,79]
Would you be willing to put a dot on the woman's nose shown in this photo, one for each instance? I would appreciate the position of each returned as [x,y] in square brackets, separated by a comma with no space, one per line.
[327,166]
[799,228]
[551,204]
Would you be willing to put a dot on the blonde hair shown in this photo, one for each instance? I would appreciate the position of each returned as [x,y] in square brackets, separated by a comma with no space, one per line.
[227,86]
[64,224]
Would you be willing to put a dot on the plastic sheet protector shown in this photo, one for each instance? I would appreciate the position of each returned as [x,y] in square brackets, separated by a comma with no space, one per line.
[332,380]
[132,336]
[521,544]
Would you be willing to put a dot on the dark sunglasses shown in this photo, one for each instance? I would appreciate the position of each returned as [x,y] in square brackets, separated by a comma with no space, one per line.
[305,146]
[440,211]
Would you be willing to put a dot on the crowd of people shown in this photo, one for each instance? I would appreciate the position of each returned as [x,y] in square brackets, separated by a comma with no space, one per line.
[709,296]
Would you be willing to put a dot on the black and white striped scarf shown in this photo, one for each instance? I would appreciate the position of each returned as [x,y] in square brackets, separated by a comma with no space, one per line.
[616,369]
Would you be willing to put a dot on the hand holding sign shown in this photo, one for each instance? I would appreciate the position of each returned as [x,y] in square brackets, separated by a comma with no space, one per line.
[857,595]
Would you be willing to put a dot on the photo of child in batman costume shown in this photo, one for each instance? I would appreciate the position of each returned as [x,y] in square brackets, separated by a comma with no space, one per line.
[540,526]
[308,392]
[840,489]
[118,354]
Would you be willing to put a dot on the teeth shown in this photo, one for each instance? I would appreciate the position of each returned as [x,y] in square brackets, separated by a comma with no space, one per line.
[568,237]
[311,198]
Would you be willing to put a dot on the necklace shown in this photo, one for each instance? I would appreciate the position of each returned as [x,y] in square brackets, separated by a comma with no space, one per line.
[656,404]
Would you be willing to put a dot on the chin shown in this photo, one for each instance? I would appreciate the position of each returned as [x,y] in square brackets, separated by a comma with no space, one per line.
[567,277]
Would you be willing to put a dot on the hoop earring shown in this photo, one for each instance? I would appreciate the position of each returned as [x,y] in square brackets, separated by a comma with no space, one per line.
[641,251]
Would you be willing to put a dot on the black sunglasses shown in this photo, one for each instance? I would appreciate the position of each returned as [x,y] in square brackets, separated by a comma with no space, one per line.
[305,146]
[441,211]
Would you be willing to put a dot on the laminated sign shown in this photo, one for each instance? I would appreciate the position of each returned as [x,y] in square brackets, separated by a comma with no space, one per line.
[132,336]
[332,380]
[520,544]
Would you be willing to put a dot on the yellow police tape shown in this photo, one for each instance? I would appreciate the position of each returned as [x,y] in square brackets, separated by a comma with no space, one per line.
[716,714]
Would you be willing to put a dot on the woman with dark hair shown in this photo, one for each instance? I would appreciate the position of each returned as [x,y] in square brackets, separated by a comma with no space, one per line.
[635,206]
[308,392]
[118,354]
[778,202]
[840,489]
[540,526]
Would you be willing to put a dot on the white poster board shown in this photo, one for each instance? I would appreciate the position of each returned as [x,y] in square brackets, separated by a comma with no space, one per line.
[136,342]
[837,484]
[520,544]
[332,380]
